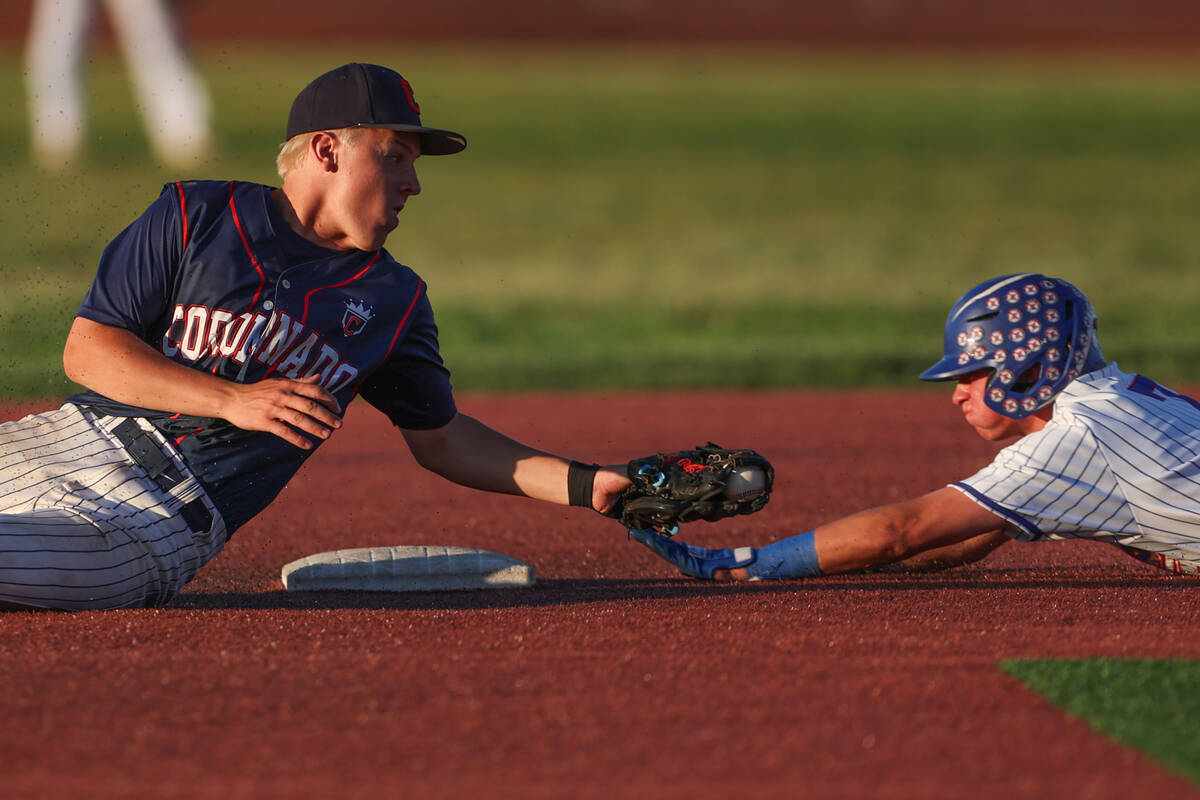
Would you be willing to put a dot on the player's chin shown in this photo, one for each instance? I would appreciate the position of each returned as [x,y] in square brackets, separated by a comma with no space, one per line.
[981,426]
[376,239]
[386,227]
[992,433]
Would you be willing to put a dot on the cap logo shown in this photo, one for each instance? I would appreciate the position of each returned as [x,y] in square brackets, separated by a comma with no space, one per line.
[408,95]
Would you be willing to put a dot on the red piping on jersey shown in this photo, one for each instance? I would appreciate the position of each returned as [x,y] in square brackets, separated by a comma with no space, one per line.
[311,292]
[407,314]
[180,439]
[237,223]
[403,322]
[359,274]
[183,212]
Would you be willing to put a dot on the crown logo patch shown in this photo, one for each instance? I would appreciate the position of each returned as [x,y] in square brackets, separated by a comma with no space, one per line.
[356,317]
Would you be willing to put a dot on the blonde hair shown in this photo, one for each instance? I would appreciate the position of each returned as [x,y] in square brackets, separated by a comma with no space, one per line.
[293,152]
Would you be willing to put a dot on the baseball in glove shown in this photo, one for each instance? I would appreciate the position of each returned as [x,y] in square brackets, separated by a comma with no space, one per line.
[706,483]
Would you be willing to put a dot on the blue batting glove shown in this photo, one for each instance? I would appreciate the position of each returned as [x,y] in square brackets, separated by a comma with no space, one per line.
[697,562]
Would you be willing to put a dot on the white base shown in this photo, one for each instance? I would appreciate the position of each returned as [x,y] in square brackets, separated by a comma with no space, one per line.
[407,568]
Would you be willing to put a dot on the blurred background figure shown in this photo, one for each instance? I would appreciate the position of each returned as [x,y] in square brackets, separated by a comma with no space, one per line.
[169,92]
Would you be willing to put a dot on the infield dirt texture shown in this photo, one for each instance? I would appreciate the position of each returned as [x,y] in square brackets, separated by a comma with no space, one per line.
[613,677]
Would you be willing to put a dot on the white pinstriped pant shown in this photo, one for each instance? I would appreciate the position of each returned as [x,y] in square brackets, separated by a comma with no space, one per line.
[82,526]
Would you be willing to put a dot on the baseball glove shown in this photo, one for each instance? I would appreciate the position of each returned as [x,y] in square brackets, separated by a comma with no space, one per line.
[672,488]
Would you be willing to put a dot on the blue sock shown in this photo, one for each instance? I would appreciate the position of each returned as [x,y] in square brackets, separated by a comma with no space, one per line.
[794,557]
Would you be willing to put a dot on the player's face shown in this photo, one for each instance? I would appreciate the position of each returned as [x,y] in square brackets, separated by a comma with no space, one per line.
[993,426]
[377,176]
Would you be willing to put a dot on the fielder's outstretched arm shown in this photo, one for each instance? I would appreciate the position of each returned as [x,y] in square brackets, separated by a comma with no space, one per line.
[120,366]
[470,453]
[937,530]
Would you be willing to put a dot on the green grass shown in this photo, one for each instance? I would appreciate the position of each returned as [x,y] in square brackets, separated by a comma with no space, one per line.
[697,217]
[35,315]
[1149,705]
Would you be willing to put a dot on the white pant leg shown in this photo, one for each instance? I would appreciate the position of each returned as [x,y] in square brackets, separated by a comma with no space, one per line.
[59,34]
[171,96]
[82,526]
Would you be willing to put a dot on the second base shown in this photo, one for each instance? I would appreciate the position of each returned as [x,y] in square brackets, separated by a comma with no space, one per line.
[408,568]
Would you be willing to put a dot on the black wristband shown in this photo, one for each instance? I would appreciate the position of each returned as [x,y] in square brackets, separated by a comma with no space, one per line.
[580,480]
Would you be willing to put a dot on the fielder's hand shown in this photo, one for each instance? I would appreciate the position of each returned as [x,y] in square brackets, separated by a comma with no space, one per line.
[287,408]
[707,482]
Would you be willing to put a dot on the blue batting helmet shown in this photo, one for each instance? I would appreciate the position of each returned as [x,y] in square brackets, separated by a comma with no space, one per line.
[1035,333]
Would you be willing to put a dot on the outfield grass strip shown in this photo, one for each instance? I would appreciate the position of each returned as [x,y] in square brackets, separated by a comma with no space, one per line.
[1150,705]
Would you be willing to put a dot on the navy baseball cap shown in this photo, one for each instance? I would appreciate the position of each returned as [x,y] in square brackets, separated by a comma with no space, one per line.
[366,96]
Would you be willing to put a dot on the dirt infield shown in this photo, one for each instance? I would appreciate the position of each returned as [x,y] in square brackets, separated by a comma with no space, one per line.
[611,677]
[1142,25]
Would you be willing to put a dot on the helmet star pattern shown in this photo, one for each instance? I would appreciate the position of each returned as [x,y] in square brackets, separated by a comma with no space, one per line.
[1039,334]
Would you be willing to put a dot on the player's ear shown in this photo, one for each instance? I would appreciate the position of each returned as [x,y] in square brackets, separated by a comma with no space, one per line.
[323,147]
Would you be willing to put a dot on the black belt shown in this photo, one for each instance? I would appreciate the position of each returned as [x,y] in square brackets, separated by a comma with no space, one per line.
[148,454]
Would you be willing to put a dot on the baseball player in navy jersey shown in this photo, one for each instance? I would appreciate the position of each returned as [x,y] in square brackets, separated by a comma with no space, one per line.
[225,332]
[1102,454]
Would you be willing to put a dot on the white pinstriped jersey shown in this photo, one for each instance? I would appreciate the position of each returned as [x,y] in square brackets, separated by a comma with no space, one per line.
[1119,461]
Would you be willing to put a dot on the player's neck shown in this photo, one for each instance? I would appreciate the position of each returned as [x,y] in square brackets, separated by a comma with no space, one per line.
[297,218]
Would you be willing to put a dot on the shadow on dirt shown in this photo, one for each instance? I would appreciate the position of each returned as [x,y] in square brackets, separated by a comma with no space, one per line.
[579,591]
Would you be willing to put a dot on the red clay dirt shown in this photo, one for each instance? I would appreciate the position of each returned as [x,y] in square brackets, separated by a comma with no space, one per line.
[613,676]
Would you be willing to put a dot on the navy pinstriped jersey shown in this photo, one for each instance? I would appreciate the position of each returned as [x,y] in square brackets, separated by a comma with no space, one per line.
[214,278]
[1119,461]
